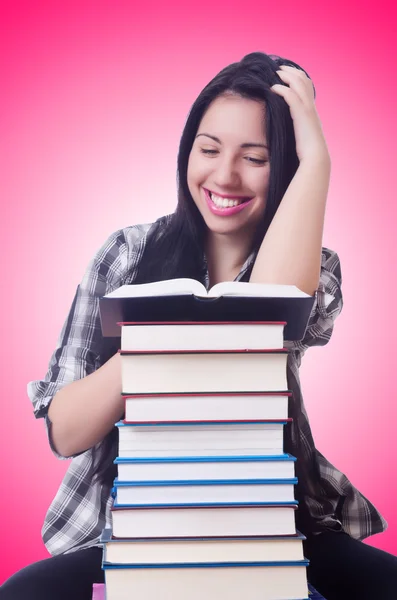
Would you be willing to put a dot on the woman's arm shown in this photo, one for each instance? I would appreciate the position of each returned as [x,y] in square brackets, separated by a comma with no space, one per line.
[84,411]
[291,250]
[80,396]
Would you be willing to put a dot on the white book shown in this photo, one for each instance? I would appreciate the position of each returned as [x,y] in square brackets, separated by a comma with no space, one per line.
[272,449]
[204,372]
[202,336]
[206,407]
[203,521]
[204,491]
[252,582]
[201,550]
[214,439]
[240,467]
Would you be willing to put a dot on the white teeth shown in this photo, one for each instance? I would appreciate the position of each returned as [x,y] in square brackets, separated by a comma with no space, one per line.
[224,202]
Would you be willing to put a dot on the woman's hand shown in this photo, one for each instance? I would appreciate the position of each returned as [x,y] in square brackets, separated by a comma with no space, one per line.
[299,95]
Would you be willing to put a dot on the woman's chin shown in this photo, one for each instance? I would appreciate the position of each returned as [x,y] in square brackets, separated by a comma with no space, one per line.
[222,226]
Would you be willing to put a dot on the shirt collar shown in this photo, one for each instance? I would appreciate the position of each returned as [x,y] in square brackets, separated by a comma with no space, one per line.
[241,274]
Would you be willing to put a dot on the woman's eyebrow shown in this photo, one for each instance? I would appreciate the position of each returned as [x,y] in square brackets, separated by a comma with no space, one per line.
[246,145]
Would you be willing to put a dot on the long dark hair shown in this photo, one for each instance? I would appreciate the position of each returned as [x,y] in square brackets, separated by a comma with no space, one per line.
[175,246]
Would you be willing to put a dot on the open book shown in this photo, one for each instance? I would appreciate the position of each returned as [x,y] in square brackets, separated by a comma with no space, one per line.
[176,287]
[188,300]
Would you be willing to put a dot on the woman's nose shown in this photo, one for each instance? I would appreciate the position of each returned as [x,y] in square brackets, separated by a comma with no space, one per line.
[226,174]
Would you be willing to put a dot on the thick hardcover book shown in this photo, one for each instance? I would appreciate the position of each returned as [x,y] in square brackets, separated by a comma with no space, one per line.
[186,564]
[201,549]
[203,371]
[201,467]
[206,407]
[229,301]
[99,593]
[212,581]
[199,335]
[209,520]
[201,439]
[187,491]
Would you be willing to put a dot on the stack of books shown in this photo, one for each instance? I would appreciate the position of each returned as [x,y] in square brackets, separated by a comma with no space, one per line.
[204,502]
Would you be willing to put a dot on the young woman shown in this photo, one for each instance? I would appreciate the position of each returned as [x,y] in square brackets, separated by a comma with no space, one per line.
[253,176]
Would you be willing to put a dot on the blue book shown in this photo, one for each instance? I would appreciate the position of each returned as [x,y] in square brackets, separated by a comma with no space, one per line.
[159,440]
[203,565]
[205,459]
[204,491]
[195,468]
[189,425]
[280,579]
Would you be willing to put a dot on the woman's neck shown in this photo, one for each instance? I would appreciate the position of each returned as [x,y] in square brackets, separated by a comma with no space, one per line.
[225,257]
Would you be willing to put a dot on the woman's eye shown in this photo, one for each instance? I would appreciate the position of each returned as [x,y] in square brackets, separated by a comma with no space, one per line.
[204,151]
[258,161]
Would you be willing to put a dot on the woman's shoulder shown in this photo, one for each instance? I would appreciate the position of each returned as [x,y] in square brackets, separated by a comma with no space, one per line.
[135,234]
[126,239]
[119,255]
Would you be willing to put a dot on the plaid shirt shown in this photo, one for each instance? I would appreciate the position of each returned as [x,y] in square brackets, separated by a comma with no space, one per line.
[81,508]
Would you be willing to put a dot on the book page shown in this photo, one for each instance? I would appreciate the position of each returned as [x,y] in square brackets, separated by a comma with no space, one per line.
[268,290]
[169,287]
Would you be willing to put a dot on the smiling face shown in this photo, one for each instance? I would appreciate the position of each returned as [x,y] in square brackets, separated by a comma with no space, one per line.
[228,169]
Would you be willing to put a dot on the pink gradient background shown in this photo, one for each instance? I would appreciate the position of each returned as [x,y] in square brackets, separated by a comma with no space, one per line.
[95,96]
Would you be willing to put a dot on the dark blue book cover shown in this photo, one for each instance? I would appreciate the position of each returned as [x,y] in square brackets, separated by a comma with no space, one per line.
[314,595]
[188,307]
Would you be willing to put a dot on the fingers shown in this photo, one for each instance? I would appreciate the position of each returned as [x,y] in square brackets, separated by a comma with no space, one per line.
[297,82]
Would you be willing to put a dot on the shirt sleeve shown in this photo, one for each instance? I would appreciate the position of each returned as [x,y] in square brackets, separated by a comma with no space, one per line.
[327,305]
[79,346]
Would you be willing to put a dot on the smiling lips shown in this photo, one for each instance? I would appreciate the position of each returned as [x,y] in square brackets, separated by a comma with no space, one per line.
[225,206]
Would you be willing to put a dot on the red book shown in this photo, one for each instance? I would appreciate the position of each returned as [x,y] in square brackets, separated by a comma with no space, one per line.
[202,335]
[203,520]
[203,371]
[206,407]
